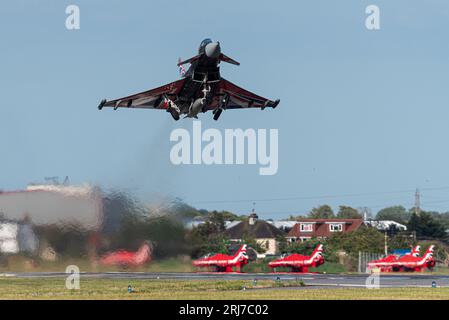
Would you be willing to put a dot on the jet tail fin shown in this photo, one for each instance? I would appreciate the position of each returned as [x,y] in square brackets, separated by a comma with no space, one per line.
[430,250]
[227,59]
[415,251]
[318,250]
[241,250]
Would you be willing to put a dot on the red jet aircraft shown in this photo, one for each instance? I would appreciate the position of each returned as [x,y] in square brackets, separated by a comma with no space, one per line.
[384,264]
[408,262]
[128,258]
[300,263]
[224,262]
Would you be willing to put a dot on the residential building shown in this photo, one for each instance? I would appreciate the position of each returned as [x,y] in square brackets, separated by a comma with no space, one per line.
[263,232]
[307,228]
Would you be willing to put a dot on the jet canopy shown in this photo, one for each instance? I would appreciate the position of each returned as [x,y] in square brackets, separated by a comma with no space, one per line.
[203,45]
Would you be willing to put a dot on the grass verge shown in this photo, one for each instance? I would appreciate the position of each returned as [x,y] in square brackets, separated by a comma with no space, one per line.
[109,289]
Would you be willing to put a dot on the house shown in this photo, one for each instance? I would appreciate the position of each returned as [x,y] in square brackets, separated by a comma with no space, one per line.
[306,228]
[263,232]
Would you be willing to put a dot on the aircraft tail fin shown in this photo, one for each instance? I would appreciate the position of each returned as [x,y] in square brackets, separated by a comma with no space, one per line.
[144,253]
[242,251]
[415,251]
[429,252]
[318,251]
[227,59]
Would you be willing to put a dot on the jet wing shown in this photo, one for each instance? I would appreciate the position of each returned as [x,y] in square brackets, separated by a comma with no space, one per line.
[151,99]
[240,98]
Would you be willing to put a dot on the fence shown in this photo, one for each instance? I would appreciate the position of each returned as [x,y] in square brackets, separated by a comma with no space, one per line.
[365,258]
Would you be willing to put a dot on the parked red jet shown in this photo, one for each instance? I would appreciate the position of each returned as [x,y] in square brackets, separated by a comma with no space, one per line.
[385,264]
[300,263]
[224,262]
[128,258]
[411,263]
[408,262]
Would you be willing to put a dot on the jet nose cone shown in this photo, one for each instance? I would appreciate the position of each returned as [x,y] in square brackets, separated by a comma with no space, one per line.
[213,50]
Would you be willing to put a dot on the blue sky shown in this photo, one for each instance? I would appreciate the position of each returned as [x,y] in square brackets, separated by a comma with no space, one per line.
[362,112]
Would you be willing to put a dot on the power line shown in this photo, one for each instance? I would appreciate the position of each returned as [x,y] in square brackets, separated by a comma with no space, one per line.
[319,197]
[299,212]
[436,201]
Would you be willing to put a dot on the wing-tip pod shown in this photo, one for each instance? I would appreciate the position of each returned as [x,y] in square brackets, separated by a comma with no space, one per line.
[102,103]
[272,104]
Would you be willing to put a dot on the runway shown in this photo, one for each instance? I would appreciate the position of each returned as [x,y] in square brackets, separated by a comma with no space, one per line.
[309,279]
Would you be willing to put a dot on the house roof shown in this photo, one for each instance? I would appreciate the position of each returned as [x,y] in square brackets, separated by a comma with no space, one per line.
[230,224]
[283,225]
[259,230]
[321,227]
[385,224]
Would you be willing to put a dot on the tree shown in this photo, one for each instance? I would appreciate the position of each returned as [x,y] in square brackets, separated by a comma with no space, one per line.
[306,247]
[363,239]
[282,244]
[225,216]
[322,212]
[426,226]
[401,240]
[259,247]
[166,233]
[346,212]
[208,237]
[442,218]
[395,213]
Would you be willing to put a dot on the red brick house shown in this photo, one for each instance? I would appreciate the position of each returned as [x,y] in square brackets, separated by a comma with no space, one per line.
[305,229]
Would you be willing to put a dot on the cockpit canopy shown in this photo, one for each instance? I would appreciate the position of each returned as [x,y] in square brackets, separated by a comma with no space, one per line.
[203,45]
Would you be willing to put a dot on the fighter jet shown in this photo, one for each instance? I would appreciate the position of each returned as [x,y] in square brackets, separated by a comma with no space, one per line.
[127,258]
[408,262]
[386,264]
[412,263]
[200,89]
[299,262]
[224,262]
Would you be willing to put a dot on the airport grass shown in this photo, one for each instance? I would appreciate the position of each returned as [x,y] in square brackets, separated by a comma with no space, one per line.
[18,264]
[110,289]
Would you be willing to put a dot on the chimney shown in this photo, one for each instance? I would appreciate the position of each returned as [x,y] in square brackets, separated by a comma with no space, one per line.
[253,218]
